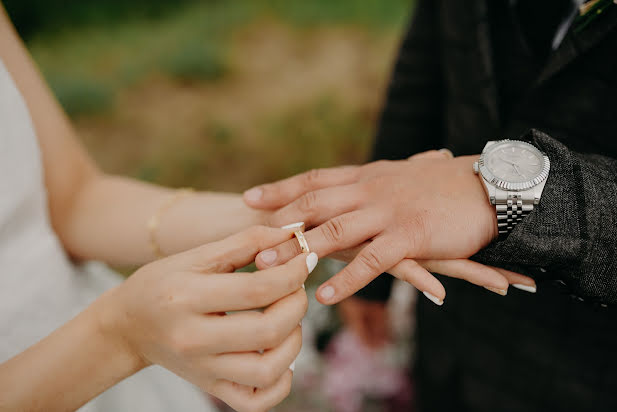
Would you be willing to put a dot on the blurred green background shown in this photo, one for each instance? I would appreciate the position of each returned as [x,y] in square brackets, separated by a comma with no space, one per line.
[219,95]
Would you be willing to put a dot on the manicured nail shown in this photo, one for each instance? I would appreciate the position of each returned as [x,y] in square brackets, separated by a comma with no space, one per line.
[502,292]
[268,256]
[447,152]
[433,299]
[526,288]
[292,367]
[311,261]
[293,225]
[254,194]
[327,293]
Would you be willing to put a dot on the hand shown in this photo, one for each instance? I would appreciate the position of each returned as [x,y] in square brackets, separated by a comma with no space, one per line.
[430,208]
[172,312]
[367,319]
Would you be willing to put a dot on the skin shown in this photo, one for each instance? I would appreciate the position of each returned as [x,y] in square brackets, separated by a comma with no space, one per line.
[170,312]
[410,217]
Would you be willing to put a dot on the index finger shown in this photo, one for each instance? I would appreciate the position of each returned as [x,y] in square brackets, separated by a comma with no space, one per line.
[340,233]
[281,193]
[244,291]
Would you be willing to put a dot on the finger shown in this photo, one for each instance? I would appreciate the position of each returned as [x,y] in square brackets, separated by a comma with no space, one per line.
[254,331]
[256,369]
[517,280]
[380,255]
[314,208]
[470,271]
[231,253]
[279,194]
[440,154]
[244,291]
[245,399]
[411,272]
[340,233]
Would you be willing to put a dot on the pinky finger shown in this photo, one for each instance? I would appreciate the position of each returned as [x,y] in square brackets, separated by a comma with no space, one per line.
[411,272]
[517,280]
[471,271]
[246,399]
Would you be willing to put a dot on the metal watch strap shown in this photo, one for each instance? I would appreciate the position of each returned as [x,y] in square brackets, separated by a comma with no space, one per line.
[511,209]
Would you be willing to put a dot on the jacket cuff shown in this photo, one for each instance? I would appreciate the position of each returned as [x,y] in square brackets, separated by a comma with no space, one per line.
[548,242]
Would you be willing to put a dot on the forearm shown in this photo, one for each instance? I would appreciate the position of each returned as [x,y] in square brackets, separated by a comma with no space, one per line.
[66,369]
[109,216]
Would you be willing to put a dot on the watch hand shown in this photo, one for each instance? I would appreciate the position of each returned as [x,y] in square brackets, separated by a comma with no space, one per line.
[516,170]
[504,160]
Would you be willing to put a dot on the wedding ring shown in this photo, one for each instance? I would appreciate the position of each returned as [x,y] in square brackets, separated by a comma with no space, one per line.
[302,241]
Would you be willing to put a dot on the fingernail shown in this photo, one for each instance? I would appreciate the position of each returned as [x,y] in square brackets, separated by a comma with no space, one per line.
[268,256]
[433,299]
[254,194]
[526,288]
[327,293]
[311,261]
[292,367]
[293,225]
[502,292]
[447,152]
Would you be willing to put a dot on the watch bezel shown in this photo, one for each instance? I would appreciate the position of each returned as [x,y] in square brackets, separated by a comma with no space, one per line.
[513,186]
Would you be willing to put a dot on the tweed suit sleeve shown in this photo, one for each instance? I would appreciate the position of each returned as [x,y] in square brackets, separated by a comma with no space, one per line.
[411,121]
[571,236]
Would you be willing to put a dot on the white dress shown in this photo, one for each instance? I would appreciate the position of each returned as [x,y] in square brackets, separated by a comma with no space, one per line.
[40,289]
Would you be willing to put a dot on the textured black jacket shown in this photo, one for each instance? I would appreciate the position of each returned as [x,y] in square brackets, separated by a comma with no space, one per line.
[556,349]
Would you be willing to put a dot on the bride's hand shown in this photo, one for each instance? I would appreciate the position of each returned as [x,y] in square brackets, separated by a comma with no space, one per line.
[172,312]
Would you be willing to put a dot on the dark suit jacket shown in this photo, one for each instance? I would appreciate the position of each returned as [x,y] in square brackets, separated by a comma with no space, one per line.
[557,349]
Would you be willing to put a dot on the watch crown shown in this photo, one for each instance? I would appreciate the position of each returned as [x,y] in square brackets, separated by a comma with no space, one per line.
[476,167]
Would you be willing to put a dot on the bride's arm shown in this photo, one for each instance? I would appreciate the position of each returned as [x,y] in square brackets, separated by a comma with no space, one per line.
[105,217]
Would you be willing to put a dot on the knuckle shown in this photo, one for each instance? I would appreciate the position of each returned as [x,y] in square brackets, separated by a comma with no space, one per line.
[265,375]
[269,335]
[256,233]
[371,259]
[333,230]
[313,176]
[418,232]
[307,203]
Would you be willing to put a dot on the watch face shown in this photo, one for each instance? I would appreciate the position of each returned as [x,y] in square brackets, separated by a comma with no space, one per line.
[514,165]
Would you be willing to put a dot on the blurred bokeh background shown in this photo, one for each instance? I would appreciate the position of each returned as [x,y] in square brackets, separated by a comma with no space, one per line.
[223,95]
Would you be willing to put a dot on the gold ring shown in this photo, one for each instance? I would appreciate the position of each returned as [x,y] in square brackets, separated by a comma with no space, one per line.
[302,241]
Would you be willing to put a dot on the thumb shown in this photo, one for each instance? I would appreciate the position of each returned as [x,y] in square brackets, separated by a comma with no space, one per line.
[238,250]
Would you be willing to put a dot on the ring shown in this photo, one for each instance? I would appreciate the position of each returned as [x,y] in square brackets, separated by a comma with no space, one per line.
[302,241]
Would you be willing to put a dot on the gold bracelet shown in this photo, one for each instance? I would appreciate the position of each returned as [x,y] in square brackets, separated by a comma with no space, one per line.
[155,220]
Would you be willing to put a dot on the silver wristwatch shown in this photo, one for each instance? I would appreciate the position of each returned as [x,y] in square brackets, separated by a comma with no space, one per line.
[514,174]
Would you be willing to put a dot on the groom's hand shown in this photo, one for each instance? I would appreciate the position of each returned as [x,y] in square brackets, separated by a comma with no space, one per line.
[428,207]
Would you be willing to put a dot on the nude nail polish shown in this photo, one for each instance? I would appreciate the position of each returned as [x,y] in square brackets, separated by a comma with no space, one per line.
[311,261]
[502,292]
[433,299]
[526,288]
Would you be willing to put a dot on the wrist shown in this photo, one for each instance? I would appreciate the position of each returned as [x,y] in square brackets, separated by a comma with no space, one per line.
[113,333]
[485,210]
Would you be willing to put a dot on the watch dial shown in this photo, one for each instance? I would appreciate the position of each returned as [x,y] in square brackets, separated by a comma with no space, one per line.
[514,162]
